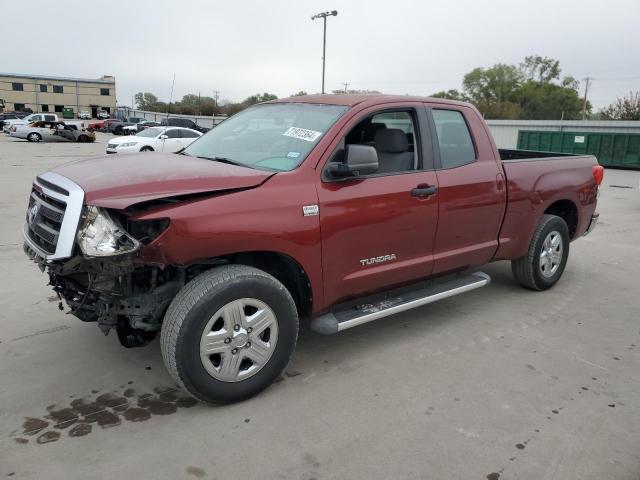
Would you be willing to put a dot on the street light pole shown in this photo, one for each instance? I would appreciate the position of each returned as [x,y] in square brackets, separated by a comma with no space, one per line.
[324,16]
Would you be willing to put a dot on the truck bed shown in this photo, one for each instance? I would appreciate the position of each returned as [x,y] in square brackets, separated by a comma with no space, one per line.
[509,155]
[537,182]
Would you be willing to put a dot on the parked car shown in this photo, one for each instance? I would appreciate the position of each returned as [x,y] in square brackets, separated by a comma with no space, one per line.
[138,127]
[34,117]
[84,115]
[339,210]
[154,139]
[184,123]
[7,116]
[116,126]
[102,125]
[52,132]
[102,114]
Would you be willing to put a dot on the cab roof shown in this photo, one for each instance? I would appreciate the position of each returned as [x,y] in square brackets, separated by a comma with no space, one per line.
[352,99]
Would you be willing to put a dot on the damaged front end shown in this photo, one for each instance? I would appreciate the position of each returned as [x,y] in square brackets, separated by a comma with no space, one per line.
[91,257]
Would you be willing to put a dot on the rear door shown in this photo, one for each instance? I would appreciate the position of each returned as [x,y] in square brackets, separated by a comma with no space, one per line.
[471,189]
[378,230]
[188,137]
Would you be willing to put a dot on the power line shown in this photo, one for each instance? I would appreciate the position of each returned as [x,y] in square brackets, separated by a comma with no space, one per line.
[346,84]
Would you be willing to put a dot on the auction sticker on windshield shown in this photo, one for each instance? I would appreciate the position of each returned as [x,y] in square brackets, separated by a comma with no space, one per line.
[302,134]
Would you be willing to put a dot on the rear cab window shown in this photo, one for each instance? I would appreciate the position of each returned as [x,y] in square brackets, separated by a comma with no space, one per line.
[454,138]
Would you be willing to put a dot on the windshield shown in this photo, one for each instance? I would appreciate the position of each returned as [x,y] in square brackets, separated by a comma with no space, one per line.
[150,132]
[275,136]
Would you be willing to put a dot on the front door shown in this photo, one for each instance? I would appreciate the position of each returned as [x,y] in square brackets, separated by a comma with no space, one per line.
[378,230]
[173,142]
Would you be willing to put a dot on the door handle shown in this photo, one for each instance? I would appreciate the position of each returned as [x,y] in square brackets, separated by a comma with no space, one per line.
[424,191]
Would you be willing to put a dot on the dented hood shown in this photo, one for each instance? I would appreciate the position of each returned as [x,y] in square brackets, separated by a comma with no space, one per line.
[119,181]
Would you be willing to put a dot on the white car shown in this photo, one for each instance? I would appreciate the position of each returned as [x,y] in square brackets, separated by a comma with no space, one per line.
[102,115]
[84,115]
[34,117]
[154,139]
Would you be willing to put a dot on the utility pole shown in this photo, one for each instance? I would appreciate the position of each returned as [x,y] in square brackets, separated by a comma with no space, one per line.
[215,97]
[324,16]
[171,96]
[586,91]
[346,84]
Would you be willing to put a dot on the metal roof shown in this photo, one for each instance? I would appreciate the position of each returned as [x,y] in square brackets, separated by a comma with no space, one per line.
[61,79]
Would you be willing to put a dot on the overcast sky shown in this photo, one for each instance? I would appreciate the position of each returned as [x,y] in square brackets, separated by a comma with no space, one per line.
[243,47]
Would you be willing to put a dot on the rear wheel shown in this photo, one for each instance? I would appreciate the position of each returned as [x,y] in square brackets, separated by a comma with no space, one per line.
[83,139]
[547,256]
[34,137]
[229,333]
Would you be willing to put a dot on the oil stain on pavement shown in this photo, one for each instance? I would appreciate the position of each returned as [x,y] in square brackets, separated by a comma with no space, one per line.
[107,410]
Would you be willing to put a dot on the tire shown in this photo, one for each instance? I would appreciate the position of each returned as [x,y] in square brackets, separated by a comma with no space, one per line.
[83,139]
[539,269]
[34,137]
[117,131]
[201,306]
[146,149]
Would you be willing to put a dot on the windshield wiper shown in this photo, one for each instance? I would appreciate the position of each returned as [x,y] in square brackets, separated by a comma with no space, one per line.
[224,160]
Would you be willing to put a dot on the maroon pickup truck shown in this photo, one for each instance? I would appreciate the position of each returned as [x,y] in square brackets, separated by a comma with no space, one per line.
[336,209]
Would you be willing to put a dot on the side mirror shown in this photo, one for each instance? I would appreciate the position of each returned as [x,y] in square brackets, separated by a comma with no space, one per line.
[164,137]
[358,160]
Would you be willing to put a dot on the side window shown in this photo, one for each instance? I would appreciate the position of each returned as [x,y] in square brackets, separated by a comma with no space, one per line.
[189,134]
[173,133]
[393,136]
[50,118]
[454,139]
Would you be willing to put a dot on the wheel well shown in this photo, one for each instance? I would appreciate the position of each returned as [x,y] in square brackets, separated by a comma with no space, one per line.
[566,210]
[284,268]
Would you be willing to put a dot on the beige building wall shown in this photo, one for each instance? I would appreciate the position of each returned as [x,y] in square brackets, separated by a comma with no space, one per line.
[38,91]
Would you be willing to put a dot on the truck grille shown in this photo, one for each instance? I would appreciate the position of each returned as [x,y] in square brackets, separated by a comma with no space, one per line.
[44,220]
[53,213]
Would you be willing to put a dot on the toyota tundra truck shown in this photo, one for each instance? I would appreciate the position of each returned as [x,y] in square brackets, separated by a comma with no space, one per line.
[333,209]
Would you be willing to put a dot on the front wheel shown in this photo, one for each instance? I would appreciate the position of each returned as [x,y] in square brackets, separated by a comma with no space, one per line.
[542,266]
[146,149]
[229,333]
[34,137]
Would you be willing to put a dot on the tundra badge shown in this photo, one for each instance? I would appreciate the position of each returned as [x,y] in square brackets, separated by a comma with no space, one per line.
[380,259]
[310,210]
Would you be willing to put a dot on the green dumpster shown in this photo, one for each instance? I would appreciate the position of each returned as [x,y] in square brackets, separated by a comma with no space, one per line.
[611,149]
[67,112]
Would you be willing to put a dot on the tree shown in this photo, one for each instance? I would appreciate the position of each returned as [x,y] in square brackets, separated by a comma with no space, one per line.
[625,108]
[540,69]
[259,98]
[531,90]
[300,94]
[494,90]
[451,94]
[548,101]
[146,100]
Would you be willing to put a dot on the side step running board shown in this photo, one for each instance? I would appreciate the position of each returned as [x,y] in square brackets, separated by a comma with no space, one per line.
[338,321]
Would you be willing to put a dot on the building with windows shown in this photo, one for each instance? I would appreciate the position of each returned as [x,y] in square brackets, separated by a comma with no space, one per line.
[42,93]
